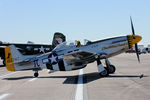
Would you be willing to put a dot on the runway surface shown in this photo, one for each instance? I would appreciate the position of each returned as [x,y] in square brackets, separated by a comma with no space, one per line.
[131,81]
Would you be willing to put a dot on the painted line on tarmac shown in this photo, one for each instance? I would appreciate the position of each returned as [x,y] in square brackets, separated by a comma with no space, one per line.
[8,74]
[79,90]
[31,80]
[4,96]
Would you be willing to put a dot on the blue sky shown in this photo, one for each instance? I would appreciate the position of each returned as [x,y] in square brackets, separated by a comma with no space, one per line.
[37,20]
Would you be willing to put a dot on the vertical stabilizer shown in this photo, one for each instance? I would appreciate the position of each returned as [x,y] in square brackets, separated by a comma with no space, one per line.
[12,55]
[16,55]
[57,39]
[8,59]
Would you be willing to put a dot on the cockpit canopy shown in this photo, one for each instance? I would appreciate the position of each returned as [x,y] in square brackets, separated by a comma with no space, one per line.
[67,44]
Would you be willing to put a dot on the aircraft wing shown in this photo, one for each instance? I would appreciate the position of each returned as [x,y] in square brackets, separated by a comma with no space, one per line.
[79,56]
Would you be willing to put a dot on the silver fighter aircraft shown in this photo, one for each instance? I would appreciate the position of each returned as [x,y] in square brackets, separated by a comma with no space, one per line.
[75,56]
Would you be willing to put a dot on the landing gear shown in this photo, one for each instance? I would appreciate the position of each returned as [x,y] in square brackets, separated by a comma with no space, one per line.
[111,68]
[36,68]
[105,71]
[102,71]
[36,74]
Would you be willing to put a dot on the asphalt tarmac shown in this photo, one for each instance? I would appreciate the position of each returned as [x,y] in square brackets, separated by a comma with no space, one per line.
[131,81]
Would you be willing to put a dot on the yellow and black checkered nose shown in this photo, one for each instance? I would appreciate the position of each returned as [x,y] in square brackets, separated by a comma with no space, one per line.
[133,39]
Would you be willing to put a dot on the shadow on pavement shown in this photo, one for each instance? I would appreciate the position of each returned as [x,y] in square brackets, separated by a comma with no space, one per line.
[88,77]
[18,78]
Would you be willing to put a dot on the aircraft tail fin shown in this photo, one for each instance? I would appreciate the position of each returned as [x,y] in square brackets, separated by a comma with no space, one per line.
[12,55]
[57,39]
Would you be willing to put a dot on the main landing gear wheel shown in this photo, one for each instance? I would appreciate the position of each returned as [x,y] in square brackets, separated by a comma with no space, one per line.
[104,73]
[111,69]
[36,74]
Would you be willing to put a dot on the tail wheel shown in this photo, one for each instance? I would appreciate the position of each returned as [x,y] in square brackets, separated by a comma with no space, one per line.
[104,73]
[36,74]
[111,69]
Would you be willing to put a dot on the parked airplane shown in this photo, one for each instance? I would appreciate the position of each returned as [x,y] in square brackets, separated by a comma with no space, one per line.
[33,49]
[72,57]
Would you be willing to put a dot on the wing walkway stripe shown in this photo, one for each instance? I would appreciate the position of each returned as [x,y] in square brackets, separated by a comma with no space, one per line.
[79,90]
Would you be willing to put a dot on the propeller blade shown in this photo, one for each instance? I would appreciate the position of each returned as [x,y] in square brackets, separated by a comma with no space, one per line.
[136,46]
[137,52]
[132,26]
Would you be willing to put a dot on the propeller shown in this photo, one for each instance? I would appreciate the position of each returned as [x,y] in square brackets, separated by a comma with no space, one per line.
[136,46]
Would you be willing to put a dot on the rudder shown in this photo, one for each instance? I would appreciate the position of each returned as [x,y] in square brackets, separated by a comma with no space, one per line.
[58,38]
[8,58]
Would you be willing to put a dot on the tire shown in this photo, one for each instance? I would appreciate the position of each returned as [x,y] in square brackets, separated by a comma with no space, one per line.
[104,73]
[36,74]
[111,69]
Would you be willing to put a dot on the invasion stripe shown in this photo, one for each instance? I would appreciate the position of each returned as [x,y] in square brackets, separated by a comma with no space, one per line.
[61,65]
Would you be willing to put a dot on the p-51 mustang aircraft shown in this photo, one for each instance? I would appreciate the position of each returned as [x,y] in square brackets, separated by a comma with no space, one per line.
[72,57]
